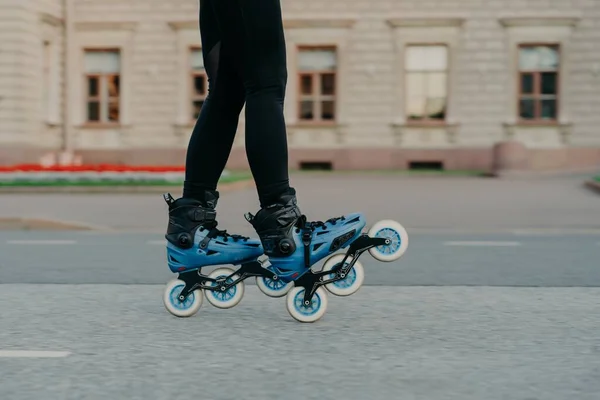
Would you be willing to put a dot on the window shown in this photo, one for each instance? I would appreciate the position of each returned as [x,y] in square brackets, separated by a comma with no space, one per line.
[317,80]
[102,75]
[199,81]
[538,82]
[426,69]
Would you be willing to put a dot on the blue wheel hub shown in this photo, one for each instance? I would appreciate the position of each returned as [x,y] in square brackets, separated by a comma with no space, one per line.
[303,309]
[274,285]
[174,298]
[226,295]
[347,281]
[395,241]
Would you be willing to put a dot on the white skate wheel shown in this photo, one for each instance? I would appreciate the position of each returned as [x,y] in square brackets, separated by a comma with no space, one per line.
[398,237]
[188,307]
[302,313]
[273,288]
[350,283]
[229,298]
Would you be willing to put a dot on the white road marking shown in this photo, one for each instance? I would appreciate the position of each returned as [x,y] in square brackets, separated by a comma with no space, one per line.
[33,354]
[42,242]
[483,244]
[555,232]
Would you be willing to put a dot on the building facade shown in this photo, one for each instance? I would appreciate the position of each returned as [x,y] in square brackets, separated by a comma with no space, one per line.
[379,84]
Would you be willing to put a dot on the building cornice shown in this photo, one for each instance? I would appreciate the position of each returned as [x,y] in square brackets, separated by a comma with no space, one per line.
[181,25]
[105,26]
[539,21]
[297,23]
[414,22]
[294,23]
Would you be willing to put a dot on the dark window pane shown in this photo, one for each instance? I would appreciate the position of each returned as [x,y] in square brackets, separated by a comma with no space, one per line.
[93,111]
[113,111]
[113,86]
[200,85]
[196,108]
[306,110]
[527,83]
[328,84]
[527,108]
[328,110]
[549,82]
[306,84]
[93,86]
[549,109]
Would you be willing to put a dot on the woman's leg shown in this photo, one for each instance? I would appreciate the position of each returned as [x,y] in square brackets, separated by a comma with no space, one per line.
[254,30]
[215,129]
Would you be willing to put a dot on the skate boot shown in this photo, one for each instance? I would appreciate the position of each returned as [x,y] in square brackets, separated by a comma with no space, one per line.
[294,244]
[194,242]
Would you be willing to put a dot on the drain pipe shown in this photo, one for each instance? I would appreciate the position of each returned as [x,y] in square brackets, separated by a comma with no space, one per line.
[67,147]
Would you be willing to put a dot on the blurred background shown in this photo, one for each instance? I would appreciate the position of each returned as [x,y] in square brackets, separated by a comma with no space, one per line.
[454,85]
[473,123]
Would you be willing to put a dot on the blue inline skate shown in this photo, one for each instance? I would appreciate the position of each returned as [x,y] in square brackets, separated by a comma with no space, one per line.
[294,245]
[194,242]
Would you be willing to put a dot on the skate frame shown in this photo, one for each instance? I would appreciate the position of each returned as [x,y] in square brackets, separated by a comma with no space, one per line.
[311,280]
[195,280]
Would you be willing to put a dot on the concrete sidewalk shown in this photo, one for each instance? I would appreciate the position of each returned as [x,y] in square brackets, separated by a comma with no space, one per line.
[381,343]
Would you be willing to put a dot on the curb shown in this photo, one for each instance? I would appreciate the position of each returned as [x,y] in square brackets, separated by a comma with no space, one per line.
[593,186]
[222,188]
[40,224]
[28,224]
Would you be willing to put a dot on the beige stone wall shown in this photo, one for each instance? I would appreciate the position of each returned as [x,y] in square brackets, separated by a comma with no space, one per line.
[27,117]
[13,27]
[370,36]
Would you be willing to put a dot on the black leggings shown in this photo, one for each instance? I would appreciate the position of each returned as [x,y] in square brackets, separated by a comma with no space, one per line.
[244,52]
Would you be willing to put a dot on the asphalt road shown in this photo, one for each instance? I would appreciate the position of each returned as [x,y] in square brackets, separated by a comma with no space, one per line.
[432,260]
[498,297]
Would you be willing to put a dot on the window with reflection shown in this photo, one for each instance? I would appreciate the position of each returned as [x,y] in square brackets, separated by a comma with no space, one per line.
[426,83]
[103,85]
[317,79]
[538,82]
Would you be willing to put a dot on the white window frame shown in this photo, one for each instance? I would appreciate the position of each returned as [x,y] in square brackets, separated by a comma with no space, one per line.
[446,71]
[424,31]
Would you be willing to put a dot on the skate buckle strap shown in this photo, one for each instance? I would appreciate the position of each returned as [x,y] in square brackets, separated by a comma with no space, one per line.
[202,215]
[264,261]
[306,239]
[204,243]
[168,198]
